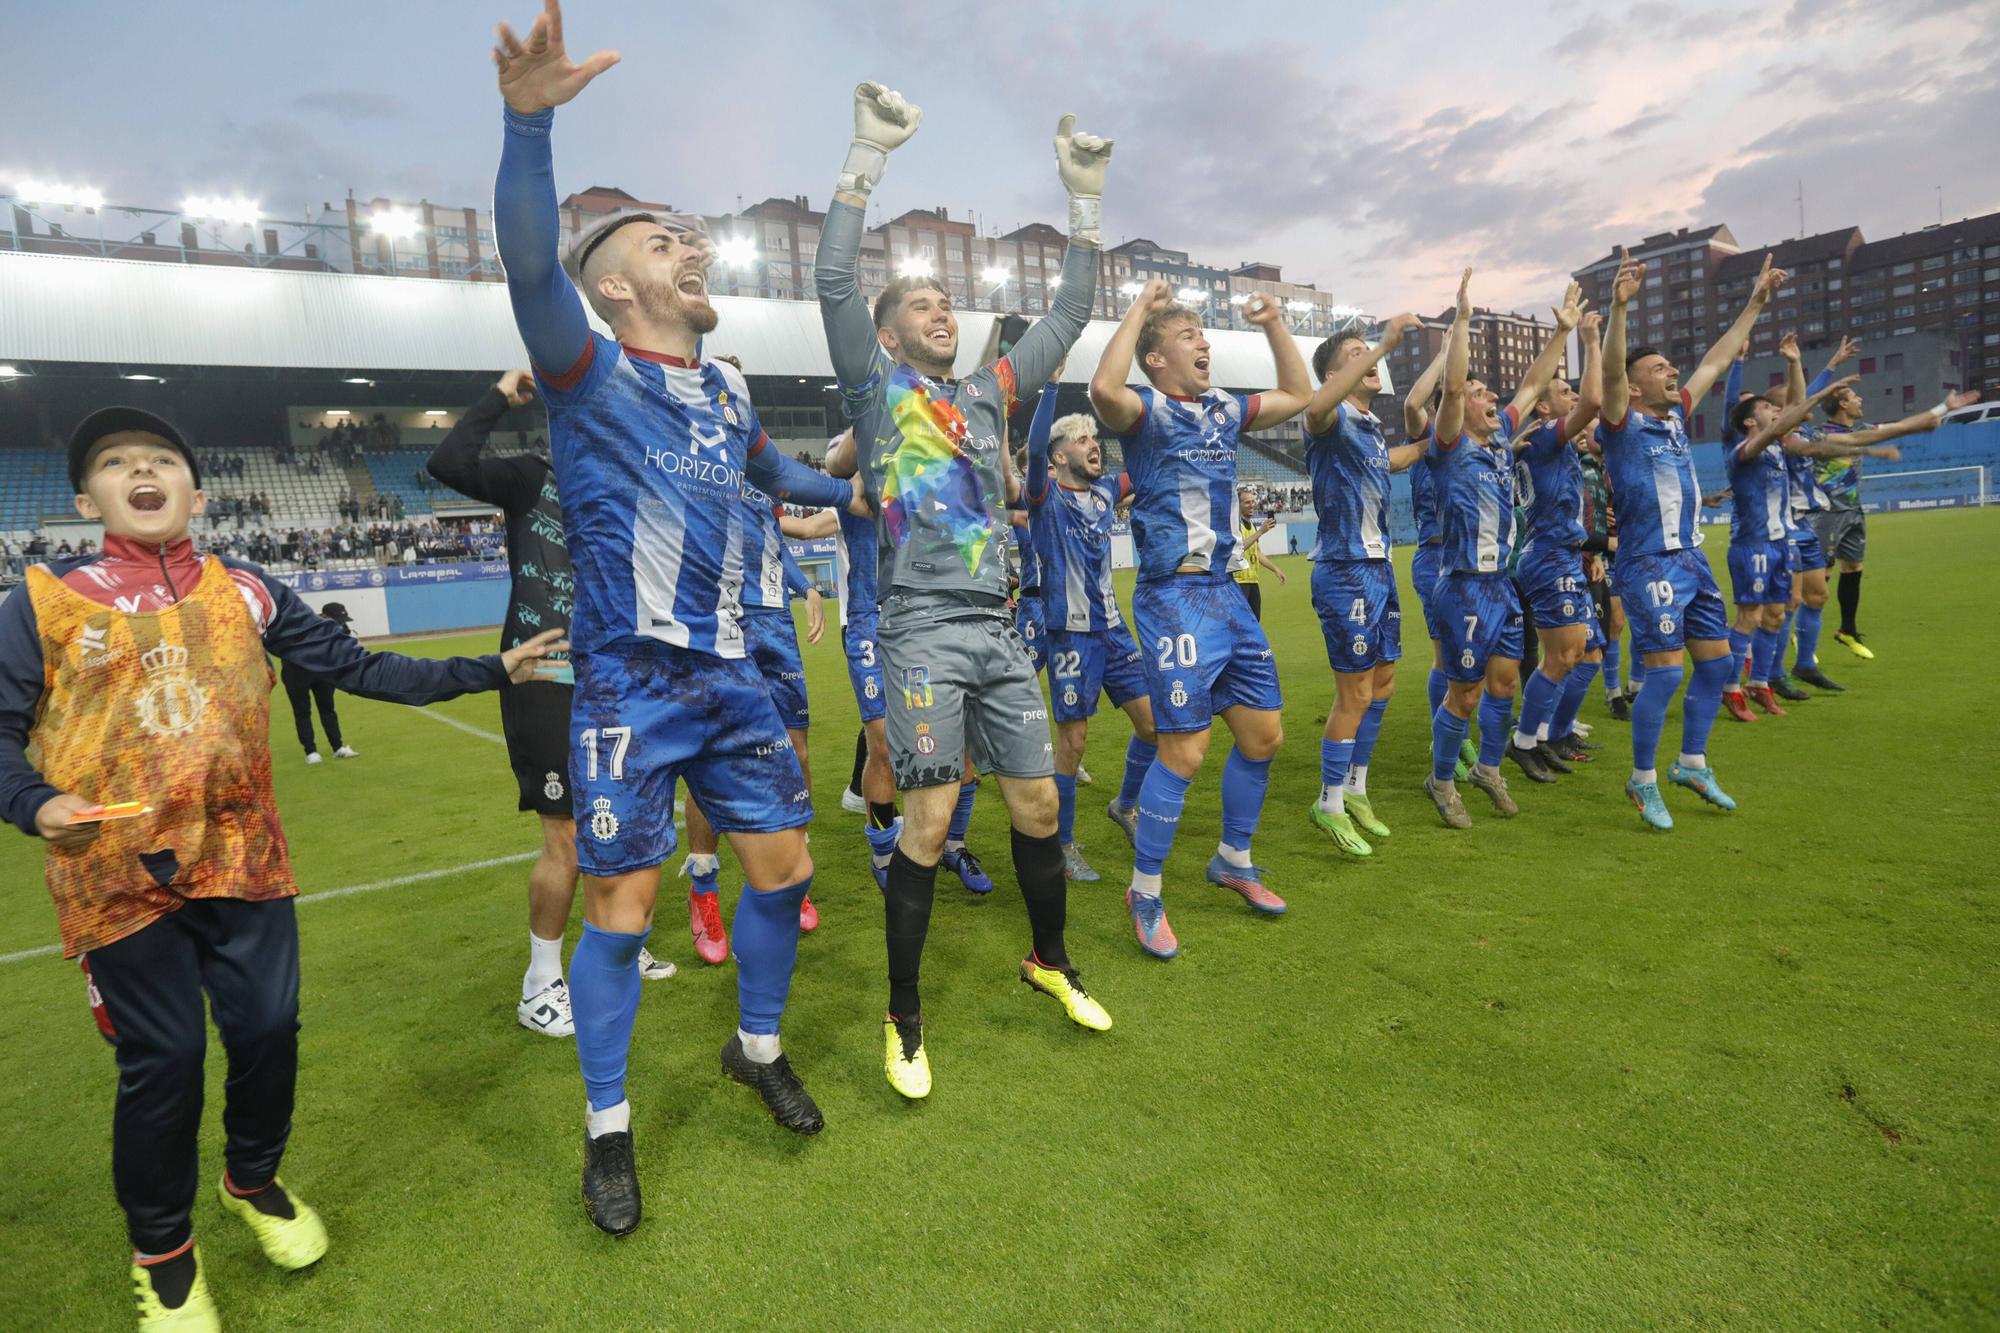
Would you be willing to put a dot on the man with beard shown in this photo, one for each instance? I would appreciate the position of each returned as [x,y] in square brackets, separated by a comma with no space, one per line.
[652,447]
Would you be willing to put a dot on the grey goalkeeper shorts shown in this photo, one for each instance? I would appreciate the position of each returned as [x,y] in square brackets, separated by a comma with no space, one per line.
[959,680]
[1843,533]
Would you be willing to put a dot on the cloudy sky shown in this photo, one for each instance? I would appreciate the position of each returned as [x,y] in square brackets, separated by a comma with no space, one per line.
[1373,149]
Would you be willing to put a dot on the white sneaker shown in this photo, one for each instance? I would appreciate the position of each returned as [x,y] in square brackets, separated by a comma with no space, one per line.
[1083,778]
[1581,728]
[653,969]
[312,757]
[345,752]
[547,1011]
[853,802]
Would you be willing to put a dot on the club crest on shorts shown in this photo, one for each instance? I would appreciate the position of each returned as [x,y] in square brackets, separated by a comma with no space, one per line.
[926,743]
[1360,647]
[1178,696]
[870,688]
[603,824]
[917,687]
[1069,695]
[552,786]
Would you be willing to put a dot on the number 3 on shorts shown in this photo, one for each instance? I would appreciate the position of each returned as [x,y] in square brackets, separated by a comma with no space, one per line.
[1170,648]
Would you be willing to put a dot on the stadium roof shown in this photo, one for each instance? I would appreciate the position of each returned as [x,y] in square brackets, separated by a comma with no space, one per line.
[60,308]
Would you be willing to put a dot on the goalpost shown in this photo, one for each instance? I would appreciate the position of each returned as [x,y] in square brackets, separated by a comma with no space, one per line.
[1942,487]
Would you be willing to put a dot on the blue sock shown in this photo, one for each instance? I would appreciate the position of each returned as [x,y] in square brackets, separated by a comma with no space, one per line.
[1448,731]
[1368,732]
[1436,688]
[1161,797]
[1739,649]
[1613,652]
[1575,688]
[1764,647]
[1649,711]
[961,816]
[1138,758]
[1785,639]
[1066,808]
[1539,701]
[604,999]
[1334,757]
[767,948]
[1704,697]
[1244,782]
[1494,731]
[1636,669]
[1808,630]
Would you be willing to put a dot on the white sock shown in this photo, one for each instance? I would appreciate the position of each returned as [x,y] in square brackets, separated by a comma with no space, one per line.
[1693,760]
[761,1047]
[1542,732]
[1522,740]
[611,1120]
[1236,856]
[953,845]
[1333,799]
[544,965]
[879,861]
[1581,729]
[1487,770]
[1643,775]
[1145,885]
[1357,779]
[701,863]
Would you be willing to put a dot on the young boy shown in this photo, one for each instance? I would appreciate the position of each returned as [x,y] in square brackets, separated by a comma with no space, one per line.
[138,675]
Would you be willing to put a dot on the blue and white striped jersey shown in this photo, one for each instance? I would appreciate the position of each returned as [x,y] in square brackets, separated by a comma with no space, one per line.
[1072,531]
[1802,474]
[1181,457]
[1423,503]
[1653,486]
[763,554]
[854,552]
[1761,507]
[1349,467]
[1474,485]
[1548,478]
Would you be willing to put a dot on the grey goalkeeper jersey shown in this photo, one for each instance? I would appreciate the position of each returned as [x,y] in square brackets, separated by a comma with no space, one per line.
[930,450]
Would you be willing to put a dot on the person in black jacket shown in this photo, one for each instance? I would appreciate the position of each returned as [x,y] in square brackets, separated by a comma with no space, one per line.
[304,690]
[534,717]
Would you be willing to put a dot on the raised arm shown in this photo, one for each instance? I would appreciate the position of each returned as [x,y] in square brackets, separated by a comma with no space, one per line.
[1458,362]
[1036,488]
[1342,380]
[537,76]
[1617,390]
[1787,422]
[1294,380]
[1543,370]
[457,461]
[1846,352]
[1921,423]
[788,479]
[1796,390]
[1081,159]
[1590,386]
[1417,403]
[883,121]
[820,523]
[1117,404]
[1735,336]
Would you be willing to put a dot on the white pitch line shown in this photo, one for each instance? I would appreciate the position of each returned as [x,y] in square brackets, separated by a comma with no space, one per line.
[465,727]
[320,897]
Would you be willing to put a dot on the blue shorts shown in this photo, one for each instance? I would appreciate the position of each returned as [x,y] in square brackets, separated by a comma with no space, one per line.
[1553,584]
[1480,615]
[1034,631]
[1203,651]
[1083,665]
[1670,598]
[864,666]
[1807,554]
[1423,577]
[773,644]
[1359,613]
[1760,572]
[641,723]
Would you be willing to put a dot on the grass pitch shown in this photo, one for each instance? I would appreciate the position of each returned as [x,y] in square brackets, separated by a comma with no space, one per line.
[1556,1072]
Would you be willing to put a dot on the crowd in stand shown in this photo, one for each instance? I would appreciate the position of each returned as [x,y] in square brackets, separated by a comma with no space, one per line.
[354,509]
[242,508]
[409,543]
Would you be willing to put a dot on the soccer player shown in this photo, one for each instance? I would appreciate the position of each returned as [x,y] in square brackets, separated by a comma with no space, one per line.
[1353,584]
[1670,594]
[1424,561]
[304,691]
[534,718]
[1090,650]
[1842,527]
[931,449]
[1549,475]
[1600,524]
[770,578]
[651,447]
[1477,608]
[1760,528]
[1204,652]
[1250,561]
[138,674]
